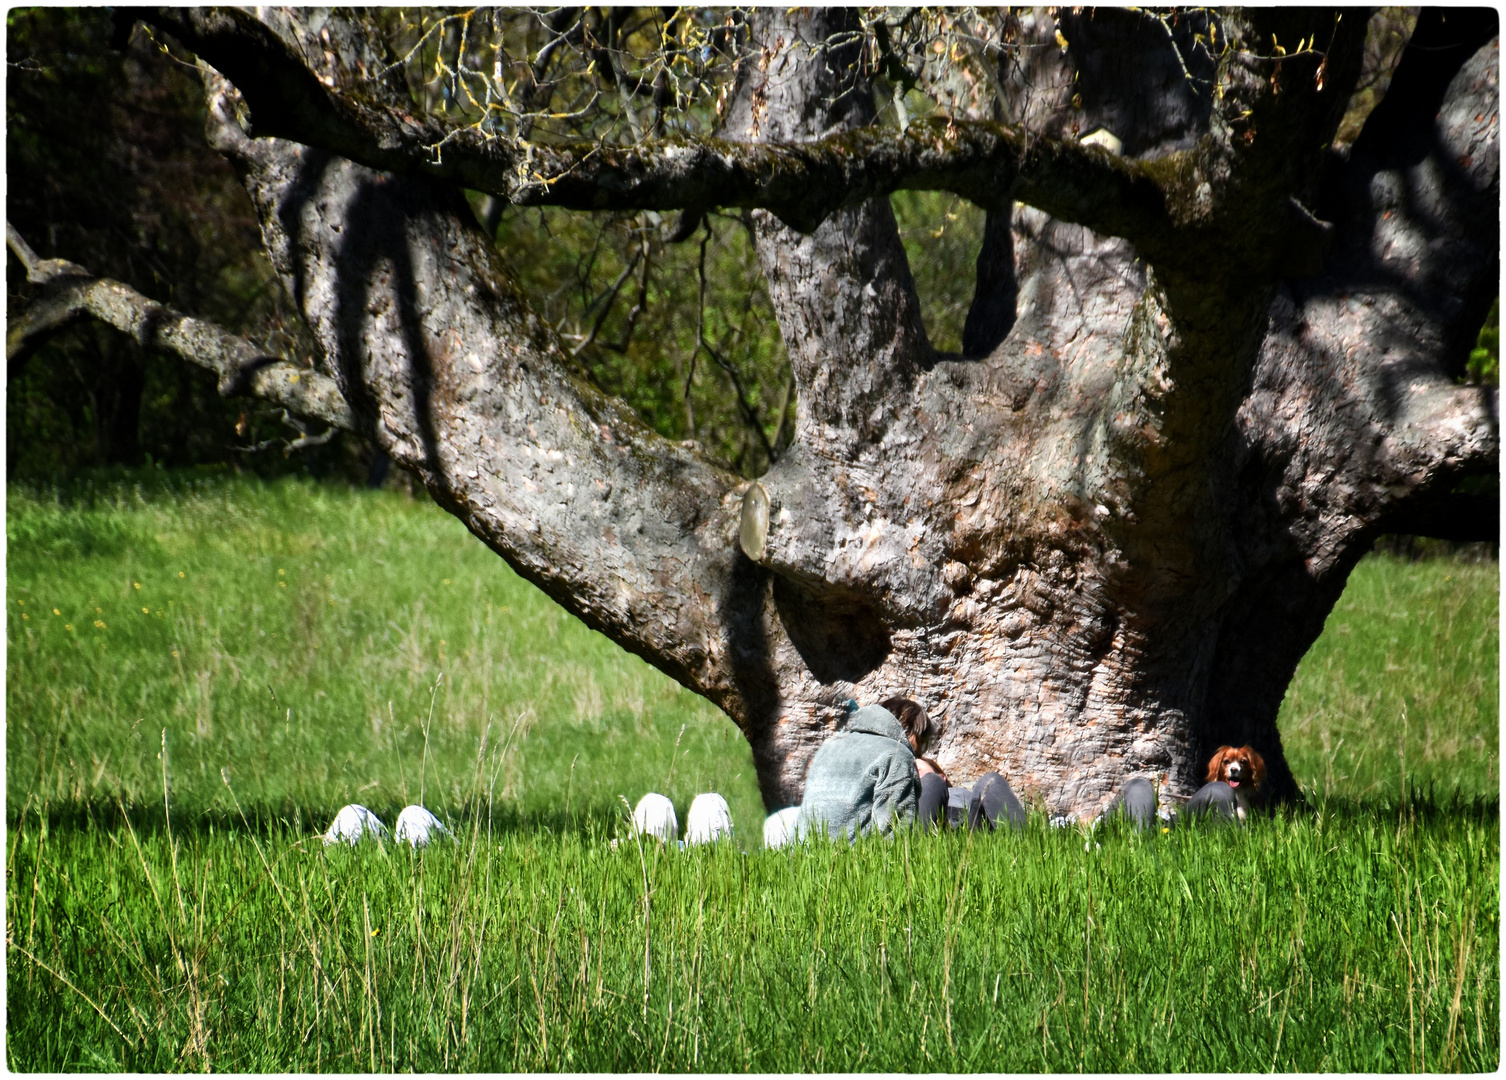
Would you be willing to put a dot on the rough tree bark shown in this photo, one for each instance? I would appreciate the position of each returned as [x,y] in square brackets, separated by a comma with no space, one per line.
[1201,375]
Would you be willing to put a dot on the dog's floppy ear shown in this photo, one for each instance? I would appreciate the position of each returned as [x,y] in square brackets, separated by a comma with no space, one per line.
[1257,768]
[1217,760]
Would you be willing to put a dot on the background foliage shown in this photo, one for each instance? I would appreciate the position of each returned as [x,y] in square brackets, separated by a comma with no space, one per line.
[682,330]
[107,166]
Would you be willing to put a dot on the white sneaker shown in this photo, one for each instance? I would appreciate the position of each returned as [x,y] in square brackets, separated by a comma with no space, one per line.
[779,827]
[352,823]
[655,816]
[417,826]
[709,819]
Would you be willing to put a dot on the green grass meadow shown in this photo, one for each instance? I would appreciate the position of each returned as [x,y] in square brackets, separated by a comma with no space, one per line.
[201,669]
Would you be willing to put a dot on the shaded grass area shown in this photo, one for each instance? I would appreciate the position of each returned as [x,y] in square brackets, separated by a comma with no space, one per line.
[296,635]
[1363,936]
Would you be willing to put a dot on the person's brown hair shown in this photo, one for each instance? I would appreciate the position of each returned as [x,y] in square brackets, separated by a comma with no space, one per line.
[914,720]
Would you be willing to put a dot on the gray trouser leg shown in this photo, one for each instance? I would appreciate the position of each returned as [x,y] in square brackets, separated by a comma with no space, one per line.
[994,800]
[1136,801]
[932,814]
[1212,796]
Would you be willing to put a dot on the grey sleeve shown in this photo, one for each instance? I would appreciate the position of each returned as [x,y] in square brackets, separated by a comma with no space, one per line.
[896,797]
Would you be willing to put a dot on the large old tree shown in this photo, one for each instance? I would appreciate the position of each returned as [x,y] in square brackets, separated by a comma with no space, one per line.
[1213,351]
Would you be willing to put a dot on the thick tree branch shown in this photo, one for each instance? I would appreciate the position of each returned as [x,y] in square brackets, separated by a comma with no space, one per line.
[851,320]
[1356,424]
[68,291]
[419,319]
[995,289]
[802,183]
[1281,104]
[1355,398]
[990,164]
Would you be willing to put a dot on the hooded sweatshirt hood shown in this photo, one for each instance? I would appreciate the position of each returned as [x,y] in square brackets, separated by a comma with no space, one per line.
[862,780]
[877,720]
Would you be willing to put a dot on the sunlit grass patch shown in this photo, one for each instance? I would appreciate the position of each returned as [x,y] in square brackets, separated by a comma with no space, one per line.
[1403,683]
[1346,941]
[290,657]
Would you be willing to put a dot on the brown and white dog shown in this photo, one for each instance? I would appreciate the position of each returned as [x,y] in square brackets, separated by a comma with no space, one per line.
[1244,771]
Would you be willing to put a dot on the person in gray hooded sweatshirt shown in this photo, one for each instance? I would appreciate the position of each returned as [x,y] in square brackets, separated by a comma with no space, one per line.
[862,780]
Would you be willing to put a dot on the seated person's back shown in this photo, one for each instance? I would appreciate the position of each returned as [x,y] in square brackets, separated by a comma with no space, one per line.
[863,779]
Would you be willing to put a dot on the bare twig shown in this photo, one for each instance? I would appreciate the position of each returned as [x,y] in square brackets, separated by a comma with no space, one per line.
[606,302]
[69,292]
[802,183]
[640,305]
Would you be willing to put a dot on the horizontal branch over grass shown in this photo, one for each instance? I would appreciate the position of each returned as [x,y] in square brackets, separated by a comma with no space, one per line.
[988,163]
[69,291]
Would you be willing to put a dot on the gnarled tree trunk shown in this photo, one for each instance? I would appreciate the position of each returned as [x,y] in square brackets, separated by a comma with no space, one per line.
[1202,374]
